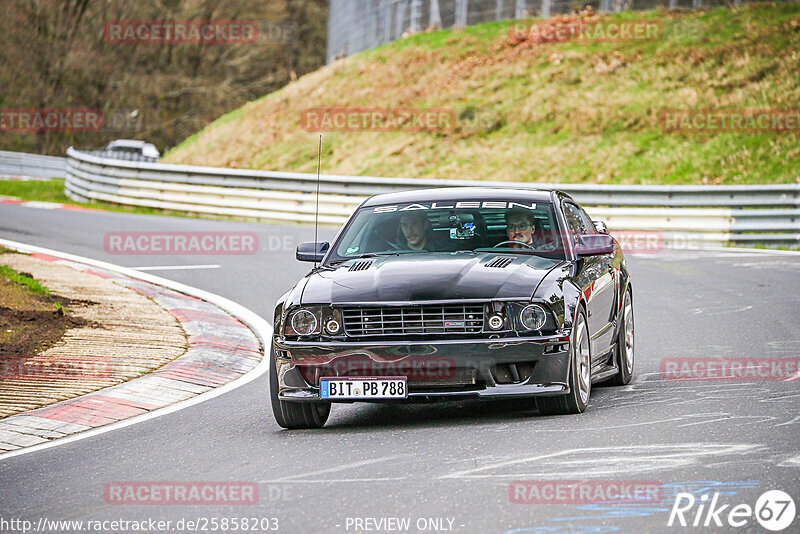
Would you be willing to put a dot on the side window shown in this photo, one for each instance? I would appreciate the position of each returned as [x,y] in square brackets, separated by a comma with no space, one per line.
[585,216]
[579,223]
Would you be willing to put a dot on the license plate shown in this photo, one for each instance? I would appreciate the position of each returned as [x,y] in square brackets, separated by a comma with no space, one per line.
[363,388]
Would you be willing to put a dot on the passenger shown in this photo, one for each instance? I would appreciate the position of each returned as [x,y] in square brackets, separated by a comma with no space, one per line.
[416,230]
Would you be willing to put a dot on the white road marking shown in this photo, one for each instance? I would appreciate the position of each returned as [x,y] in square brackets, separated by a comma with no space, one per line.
[720,252]
[607,461]
[730,417]
[677,256]
[610,427]
[340,468]
[718,310]
[793,461]
[42,205]
[259,326]
[793,421]
[176,267]
[779,398]
[332,480]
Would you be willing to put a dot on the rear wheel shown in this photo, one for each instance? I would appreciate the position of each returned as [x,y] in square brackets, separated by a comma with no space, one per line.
[625,344]
[295,415]
[580,375]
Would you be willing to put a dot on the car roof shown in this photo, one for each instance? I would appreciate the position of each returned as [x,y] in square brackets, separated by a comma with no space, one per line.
[145,148]
[459,193]
[128,143]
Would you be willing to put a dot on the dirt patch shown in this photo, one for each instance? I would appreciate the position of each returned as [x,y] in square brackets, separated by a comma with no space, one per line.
[105,334]
[29,323]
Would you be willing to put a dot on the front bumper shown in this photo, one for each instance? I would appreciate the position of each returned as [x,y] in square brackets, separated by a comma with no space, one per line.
[442,369]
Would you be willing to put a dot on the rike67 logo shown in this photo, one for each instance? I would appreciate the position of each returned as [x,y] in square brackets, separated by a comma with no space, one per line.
[774,510]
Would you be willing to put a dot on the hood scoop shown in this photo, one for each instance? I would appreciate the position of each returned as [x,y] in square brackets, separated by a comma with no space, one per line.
[500,262]
[361,265]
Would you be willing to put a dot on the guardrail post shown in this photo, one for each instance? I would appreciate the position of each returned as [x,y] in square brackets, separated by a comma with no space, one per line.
[520,10]
[401,15]
[416,16]
[436,15]
[498,10]
[461,13]
[545,9]
[386,18]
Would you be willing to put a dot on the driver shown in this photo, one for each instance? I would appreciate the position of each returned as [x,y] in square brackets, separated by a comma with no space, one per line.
[416,229]
[520,227]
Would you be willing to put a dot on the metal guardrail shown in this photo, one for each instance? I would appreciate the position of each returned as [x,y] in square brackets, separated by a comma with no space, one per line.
[23,164]
[709,214]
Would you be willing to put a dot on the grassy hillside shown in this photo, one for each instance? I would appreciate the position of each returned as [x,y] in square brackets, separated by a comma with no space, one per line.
[583,111]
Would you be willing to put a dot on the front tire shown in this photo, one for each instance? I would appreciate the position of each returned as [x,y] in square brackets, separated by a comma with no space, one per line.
[580,375]
[295,415]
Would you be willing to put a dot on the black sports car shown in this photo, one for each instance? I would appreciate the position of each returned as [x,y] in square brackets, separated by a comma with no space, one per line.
[451,293]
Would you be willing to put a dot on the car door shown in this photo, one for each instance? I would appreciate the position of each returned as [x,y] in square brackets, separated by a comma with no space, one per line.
[597,281]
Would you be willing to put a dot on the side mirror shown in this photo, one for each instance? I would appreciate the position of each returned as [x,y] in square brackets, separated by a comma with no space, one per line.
[594,245]
[601,227]
[312,250]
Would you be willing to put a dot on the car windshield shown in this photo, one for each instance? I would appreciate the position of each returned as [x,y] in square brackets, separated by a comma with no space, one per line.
[517,227]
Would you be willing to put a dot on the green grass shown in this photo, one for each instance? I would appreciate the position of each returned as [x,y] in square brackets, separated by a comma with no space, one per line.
[31,284]
[53,191]
[571,112]
[41,190]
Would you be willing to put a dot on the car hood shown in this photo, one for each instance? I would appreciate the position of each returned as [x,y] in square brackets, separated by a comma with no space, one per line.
[429,276]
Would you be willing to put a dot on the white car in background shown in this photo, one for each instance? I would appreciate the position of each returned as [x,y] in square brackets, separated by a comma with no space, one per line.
[141,148]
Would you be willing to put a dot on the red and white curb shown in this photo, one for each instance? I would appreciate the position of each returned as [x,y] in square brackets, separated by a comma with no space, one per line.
[44,205]
[225,352]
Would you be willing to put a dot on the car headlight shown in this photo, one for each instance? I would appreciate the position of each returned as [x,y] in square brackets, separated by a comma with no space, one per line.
[303,323]
[333,326]
[332,321]
[496,321]
[533,317]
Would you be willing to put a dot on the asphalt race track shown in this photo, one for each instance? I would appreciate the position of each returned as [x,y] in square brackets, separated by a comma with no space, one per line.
[452,461]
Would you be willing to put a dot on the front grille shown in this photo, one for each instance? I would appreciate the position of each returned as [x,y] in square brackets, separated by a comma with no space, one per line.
[401,320]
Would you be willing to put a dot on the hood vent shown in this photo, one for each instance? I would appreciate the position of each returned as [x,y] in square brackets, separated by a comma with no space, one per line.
[362,265]
[501,262]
